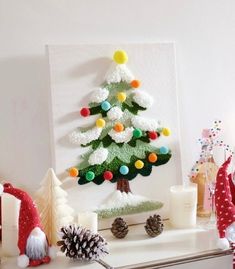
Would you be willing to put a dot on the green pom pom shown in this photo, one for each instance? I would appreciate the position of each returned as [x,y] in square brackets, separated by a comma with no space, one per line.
[90,175]
[137,133]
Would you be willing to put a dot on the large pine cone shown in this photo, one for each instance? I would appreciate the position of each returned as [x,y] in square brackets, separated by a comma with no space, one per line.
[154,226]
[81,244]
[119,228]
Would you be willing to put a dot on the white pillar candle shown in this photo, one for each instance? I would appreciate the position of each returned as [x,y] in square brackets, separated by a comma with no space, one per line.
[10,216]
[88,220]
[183,206]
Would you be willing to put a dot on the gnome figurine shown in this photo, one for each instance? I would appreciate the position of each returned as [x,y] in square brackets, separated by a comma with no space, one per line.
[32,241]
[225,208]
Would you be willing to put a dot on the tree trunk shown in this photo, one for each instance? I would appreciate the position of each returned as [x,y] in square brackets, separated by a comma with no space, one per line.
[123,185]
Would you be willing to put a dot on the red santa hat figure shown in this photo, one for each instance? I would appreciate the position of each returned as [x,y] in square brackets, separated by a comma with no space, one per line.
[32,242]
[225,208]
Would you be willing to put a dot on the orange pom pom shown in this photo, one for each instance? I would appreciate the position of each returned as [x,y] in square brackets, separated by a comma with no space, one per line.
[152,157]
[118,127]
[73,172]
[135,83]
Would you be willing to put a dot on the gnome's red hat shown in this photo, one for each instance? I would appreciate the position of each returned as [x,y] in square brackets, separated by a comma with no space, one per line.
[28,215]
[29,219]
[225,208]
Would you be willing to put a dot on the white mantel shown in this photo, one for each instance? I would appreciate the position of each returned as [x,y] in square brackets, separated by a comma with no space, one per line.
[173,248]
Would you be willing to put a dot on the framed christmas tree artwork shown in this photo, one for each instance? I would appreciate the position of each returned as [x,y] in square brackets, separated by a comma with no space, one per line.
[114,123]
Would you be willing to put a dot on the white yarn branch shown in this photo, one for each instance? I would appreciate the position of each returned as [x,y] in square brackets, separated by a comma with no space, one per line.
[83,138]
[115,113]
[119,73]
[122,137]
[98,156]
[143,99]
[144,123]
[99,95]
[51,201]
[120,199]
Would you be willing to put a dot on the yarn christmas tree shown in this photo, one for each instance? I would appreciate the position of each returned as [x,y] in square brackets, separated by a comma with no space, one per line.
[52,205]
[120,142]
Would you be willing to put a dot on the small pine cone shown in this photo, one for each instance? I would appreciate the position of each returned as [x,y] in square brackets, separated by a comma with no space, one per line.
[154,226]
[81,244]
[119,228]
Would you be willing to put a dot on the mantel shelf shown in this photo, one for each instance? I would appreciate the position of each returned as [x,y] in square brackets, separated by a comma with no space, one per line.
[139,251]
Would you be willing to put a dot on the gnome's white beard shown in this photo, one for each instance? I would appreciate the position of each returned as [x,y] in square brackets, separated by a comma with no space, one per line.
[37,246]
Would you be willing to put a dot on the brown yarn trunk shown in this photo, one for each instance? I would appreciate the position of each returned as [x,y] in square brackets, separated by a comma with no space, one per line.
[123,185]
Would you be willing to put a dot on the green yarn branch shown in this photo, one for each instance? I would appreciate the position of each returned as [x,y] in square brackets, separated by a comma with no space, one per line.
[129,209]
[114,167]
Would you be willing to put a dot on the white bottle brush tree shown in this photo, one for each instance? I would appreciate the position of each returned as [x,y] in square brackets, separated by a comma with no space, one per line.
[51,201]
[119,144]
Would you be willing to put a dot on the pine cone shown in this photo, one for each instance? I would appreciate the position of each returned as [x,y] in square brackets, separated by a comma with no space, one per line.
[81,244]
[154,226]
[119,228]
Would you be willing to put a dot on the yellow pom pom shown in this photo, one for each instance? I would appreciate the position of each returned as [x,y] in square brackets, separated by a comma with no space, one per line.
[139,164]
[120,57]
[73,172]
[121,96]
[100,123]
[166,131]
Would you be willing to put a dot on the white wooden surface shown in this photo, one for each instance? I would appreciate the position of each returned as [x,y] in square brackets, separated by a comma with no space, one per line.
[60,263]
[75,71]
[137,248]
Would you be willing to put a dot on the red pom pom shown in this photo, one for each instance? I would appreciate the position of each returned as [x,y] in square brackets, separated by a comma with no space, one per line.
[108,175]
[85,112]
[152,135]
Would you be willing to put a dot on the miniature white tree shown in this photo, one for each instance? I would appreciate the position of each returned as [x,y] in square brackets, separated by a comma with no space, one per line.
[51,201]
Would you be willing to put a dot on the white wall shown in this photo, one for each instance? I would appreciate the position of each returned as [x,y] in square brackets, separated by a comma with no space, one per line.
[204,32]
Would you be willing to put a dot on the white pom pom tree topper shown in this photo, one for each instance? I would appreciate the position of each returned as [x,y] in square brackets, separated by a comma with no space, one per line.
[120,143]
[51,201]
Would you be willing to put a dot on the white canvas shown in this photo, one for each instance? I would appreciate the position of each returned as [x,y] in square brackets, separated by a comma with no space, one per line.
[74,72]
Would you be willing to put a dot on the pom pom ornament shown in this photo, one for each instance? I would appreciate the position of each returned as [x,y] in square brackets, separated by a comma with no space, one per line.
[100,123]
[120,57]
[164,150]
[154,226]
[105,105]
[139,164]
[152,135]
[166,131]
[119,228]
[135,83]
[81,244]
[73,172]
[23,261]
[108,175]
[90,176]
[118,127]
[85,112]
[152,157]
[124,170]
[137,133]
[121,96]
